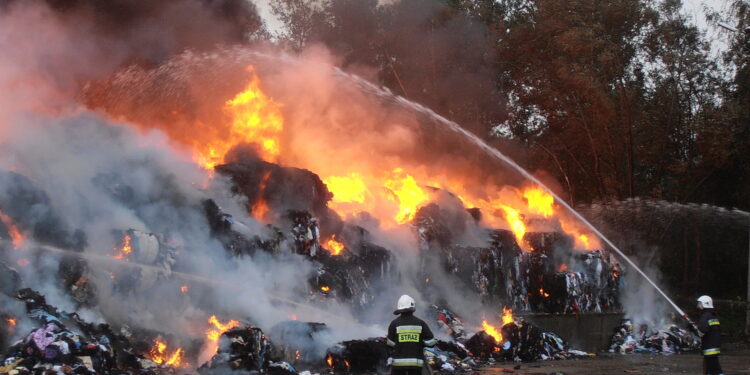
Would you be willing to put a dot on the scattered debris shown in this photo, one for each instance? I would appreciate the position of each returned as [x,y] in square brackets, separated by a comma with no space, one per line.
[626,339]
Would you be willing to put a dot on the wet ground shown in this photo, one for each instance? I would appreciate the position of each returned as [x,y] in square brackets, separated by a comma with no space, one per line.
[733,361]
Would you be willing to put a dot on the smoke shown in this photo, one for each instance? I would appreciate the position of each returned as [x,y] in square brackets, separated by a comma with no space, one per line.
[76,181]
[80,179]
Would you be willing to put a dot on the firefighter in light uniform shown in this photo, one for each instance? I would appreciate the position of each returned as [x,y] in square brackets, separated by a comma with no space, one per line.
[408,335]
[709,330]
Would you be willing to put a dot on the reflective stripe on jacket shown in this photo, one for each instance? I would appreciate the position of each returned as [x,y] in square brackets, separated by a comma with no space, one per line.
[408,335]
[710,332]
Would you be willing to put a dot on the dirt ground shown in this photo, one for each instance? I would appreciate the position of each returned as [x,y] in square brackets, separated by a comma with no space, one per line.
[733,361]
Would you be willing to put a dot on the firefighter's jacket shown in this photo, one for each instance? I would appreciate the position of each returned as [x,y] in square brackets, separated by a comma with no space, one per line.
[710,332]
[408,335]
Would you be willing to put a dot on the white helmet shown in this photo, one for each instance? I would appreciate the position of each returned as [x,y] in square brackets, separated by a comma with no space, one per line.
[405,303]
[705,302]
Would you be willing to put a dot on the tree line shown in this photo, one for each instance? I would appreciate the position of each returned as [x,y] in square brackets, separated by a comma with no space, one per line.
[616,99]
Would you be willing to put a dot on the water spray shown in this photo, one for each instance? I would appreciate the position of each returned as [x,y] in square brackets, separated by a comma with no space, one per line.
[456,128]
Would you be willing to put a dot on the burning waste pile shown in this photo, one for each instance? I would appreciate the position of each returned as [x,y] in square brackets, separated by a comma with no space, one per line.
[276,218]
[351,269]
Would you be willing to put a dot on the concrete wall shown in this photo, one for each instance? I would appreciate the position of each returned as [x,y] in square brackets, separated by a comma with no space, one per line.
[590,332]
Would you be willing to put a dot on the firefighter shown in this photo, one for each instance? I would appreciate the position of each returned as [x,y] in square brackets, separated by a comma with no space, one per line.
[408,335]
[709,331]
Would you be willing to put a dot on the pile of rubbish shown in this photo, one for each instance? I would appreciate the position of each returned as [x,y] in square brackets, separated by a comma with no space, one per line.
[350,270]
[552,278]
[516,340]
[64,343]
[643,339]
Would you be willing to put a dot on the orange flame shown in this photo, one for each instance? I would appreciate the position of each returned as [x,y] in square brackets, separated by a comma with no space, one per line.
[585,240]
[213,333]
[184,289]
[389,189]
[539,201]
[160,356]
[325,288]
[255,119]
[329,360]
[582,240]
[409,195]
[335,247]
[507,316]
[543,293]
[492,331]
[563,268]
[16,237]
[260,207]
[11,321]
[516,223]
[346,189]
[126,248]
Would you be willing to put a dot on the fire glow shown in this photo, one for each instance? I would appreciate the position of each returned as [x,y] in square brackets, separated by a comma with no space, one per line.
[254,118]
[335,247]
[159,354]
[11,321]
[124,251]
[217,328]
[389,189]
[15,235]
[517,226]
[494,332]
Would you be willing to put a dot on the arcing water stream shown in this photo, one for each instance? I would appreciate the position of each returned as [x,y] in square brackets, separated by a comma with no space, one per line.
[454,127]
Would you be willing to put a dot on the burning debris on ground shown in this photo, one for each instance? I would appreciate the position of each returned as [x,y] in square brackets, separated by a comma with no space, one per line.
[349,265]
[242,348]
[551,278]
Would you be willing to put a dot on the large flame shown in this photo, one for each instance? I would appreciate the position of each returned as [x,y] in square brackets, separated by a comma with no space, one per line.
[388,187]
[335,247]
[217,328]
[407,192]
[492,331]
[349,193]
[213,333]
[255,119]
[515,220]
[159,353]
[15,235]
[506,317]
[539,201]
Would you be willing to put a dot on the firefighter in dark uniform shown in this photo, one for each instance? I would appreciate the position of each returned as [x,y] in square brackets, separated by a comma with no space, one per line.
[408,335]
[709,330]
